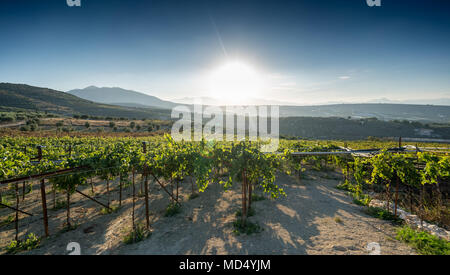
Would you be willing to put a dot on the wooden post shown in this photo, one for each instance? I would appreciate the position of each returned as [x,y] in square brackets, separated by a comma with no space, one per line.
[132,215]
[92,187]
[107,190]
[54,197]
[44,207]
[120,190]
[388,193]
[421,205]
[24,190]
[43,196]
[399,143]
[147,218]
[244,197]
[249,196]
[396,196]
[16,222]
[68,207]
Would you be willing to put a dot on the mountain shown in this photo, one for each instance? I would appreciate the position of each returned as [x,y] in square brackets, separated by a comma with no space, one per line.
[44,99]
[122,97]
[351,129]
[422,113]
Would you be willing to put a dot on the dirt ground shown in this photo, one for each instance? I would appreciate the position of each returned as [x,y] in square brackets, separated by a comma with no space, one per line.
[314,218]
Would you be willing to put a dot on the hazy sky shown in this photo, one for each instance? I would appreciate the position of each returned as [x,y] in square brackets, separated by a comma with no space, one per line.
[305,52]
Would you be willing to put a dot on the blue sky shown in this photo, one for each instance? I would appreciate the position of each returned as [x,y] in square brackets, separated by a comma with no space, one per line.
[307,52]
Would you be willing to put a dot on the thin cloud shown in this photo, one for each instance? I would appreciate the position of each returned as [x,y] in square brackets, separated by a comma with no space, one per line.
[344,77]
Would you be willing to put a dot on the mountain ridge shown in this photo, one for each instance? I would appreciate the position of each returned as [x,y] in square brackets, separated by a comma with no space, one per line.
[117,95]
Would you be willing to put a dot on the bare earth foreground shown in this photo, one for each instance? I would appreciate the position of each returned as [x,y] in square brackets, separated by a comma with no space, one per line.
[314,218]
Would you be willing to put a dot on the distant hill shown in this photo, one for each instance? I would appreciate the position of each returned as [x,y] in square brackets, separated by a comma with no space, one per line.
[422,113]
[119,96]
[382,111]
[341,128]
[43,99]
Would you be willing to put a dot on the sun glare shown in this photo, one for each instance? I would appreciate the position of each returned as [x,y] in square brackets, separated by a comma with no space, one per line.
[235,82]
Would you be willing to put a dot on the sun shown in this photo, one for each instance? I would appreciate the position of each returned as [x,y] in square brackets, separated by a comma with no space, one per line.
[235,82]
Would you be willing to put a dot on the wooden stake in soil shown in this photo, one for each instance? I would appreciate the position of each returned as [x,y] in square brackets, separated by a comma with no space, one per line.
[396,196]
[120,191]
[68,206]
[249,196]
[107,190]
[43,198]
[147,218]
[421,206]
[145,175]
[244,197]
[44,207]
[54,197]
[132,216]
[92,187]
[23,191]
[16,222]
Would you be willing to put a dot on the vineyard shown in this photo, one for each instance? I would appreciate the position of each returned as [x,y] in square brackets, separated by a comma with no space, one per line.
[40,177]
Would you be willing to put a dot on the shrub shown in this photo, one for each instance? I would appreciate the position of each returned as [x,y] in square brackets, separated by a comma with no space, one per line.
[424,242]
[24,128]
[383,214]
[133,236]
[172,209]
[246,227]
[30,243]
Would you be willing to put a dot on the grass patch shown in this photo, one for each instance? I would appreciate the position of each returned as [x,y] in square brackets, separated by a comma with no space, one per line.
[112,209]
[256,197]
[363,200]
[383,214]
[250,212]
[247,227]
[31,242]
[355,192]
[193,196]
[423,242]
[137,235]
[346,186]
[172,209]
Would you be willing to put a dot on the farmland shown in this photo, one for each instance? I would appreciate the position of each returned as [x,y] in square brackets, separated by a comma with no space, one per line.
[126,195]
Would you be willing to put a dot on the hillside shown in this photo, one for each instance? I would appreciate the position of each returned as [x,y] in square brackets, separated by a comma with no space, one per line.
[119,96]
[48,100]
[423,113]
[341,128]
